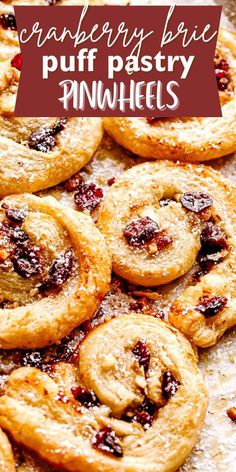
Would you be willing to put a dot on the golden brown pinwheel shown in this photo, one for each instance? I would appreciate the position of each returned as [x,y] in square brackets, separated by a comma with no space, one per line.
[159,219]
[187,139]
[136,403]
[37,153]
[54,270]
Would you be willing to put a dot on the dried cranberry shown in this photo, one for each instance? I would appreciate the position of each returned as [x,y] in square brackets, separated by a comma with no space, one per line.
[142,354]
[111,181]
[231,412]
[163,240]
[59,126]
[207,261]
[141,231]
[42,140]
[143,415]
[211,306]
[73,182]
[143,418]
[213,239]
[12,233]
[148,405]
[27,260]
[106,440]
[18,235]
[170,385]
[17,216]
[85,397]
[58,272]
[196,202]
[222,73]
[8,22]
[88,196]
[17,61]
[32,359]
[151,119]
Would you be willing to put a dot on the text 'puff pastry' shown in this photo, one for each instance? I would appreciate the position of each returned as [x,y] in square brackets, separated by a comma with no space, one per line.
[7,463]
[160,218]
[187,139]
[54,271]
[37,153]
[140,409]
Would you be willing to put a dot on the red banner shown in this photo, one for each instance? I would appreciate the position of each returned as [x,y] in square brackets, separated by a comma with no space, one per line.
[118,61]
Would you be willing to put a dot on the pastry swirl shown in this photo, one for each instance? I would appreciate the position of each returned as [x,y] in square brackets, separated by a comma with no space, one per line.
[102,426]
[54,271]
[37,153]
[159,219]
[7,463]
[187,139]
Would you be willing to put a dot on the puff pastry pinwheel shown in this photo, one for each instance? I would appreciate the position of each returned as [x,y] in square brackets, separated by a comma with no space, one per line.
[160,218]
[37,153]
[187,139]
[54,270]
[139,405]
[7,463]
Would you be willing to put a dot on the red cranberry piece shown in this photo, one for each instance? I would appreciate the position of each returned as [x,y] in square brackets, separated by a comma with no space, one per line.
[213,239]
[85,397]
[59,126]
[170,385]
[17,216]
[88,196]
[223,84]
[219,73]
[207,261]
[32,359]
[8,22]
[222,73]
[27,261]
[151,119]
[148,405]
[18,235]
[42,140]
[17,61]
[106,440]
[163,240]
[231,412]
[144,419]
[142,354]
[141,231]
[111,181]
[12,233]
[143,415]
[73,182]
[196,202]
[211,306]
[58,272]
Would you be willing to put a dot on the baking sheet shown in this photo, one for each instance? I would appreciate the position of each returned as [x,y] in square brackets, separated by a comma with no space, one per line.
[216,449]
